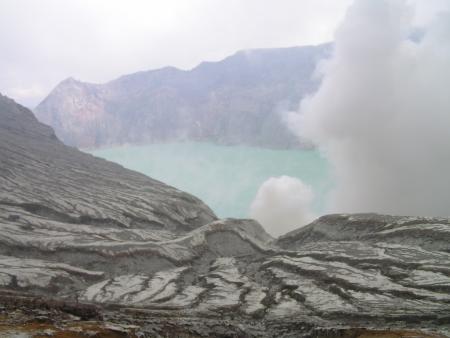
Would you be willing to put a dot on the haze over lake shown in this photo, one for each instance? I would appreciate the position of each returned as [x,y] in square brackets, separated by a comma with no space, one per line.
[224,177]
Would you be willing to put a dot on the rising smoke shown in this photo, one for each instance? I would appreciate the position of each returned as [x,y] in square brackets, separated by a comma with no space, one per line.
[282,204]
[382,113]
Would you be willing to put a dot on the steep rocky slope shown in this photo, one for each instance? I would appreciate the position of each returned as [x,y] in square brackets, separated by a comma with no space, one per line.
[239,100]
[82,238]
[41,176]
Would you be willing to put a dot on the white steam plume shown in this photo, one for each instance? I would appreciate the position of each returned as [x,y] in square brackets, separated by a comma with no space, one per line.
[382,112]
[282,204]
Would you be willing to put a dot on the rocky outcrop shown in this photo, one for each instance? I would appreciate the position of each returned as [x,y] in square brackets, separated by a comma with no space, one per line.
[83,233]
[239,100]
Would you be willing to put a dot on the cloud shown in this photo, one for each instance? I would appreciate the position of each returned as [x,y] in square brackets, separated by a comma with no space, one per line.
[382,112]
[282,204]
[46,41]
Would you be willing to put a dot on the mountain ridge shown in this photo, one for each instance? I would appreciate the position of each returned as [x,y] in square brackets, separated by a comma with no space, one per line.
[238,100]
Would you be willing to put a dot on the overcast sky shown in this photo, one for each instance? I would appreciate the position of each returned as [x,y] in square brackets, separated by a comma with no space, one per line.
[45,41]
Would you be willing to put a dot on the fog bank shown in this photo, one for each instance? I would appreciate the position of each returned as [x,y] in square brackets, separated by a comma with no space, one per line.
[382,113]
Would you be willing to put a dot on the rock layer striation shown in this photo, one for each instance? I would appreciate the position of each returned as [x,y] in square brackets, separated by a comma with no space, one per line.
[82,230]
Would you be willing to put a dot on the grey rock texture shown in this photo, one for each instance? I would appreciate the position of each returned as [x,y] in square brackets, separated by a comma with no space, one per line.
[86,231]
[239,100]
[41,176]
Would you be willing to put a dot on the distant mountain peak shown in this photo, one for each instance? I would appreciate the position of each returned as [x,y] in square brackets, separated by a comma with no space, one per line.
[69,82]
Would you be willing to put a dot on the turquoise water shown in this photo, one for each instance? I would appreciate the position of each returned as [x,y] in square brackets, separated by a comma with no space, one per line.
[224,177]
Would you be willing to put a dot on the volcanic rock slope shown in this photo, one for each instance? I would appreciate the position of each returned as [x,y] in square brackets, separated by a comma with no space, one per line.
[239,100]
[80,229]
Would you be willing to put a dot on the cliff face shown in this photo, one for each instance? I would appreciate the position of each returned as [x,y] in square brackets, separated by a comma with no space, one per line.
[85,231]
[239,100]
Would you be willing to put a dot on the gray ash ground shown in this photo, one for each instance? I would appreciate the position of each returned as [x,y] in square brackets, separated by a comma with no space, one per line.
[86,242]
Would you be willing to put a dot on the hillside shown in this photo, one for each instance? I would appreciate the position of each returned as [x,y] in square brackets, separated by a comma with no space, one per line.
[87,243]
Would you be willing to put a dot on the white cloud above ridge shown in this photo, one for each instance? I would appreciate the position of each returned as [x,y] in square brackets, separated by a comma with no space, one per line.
[46,41]
[96,41]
